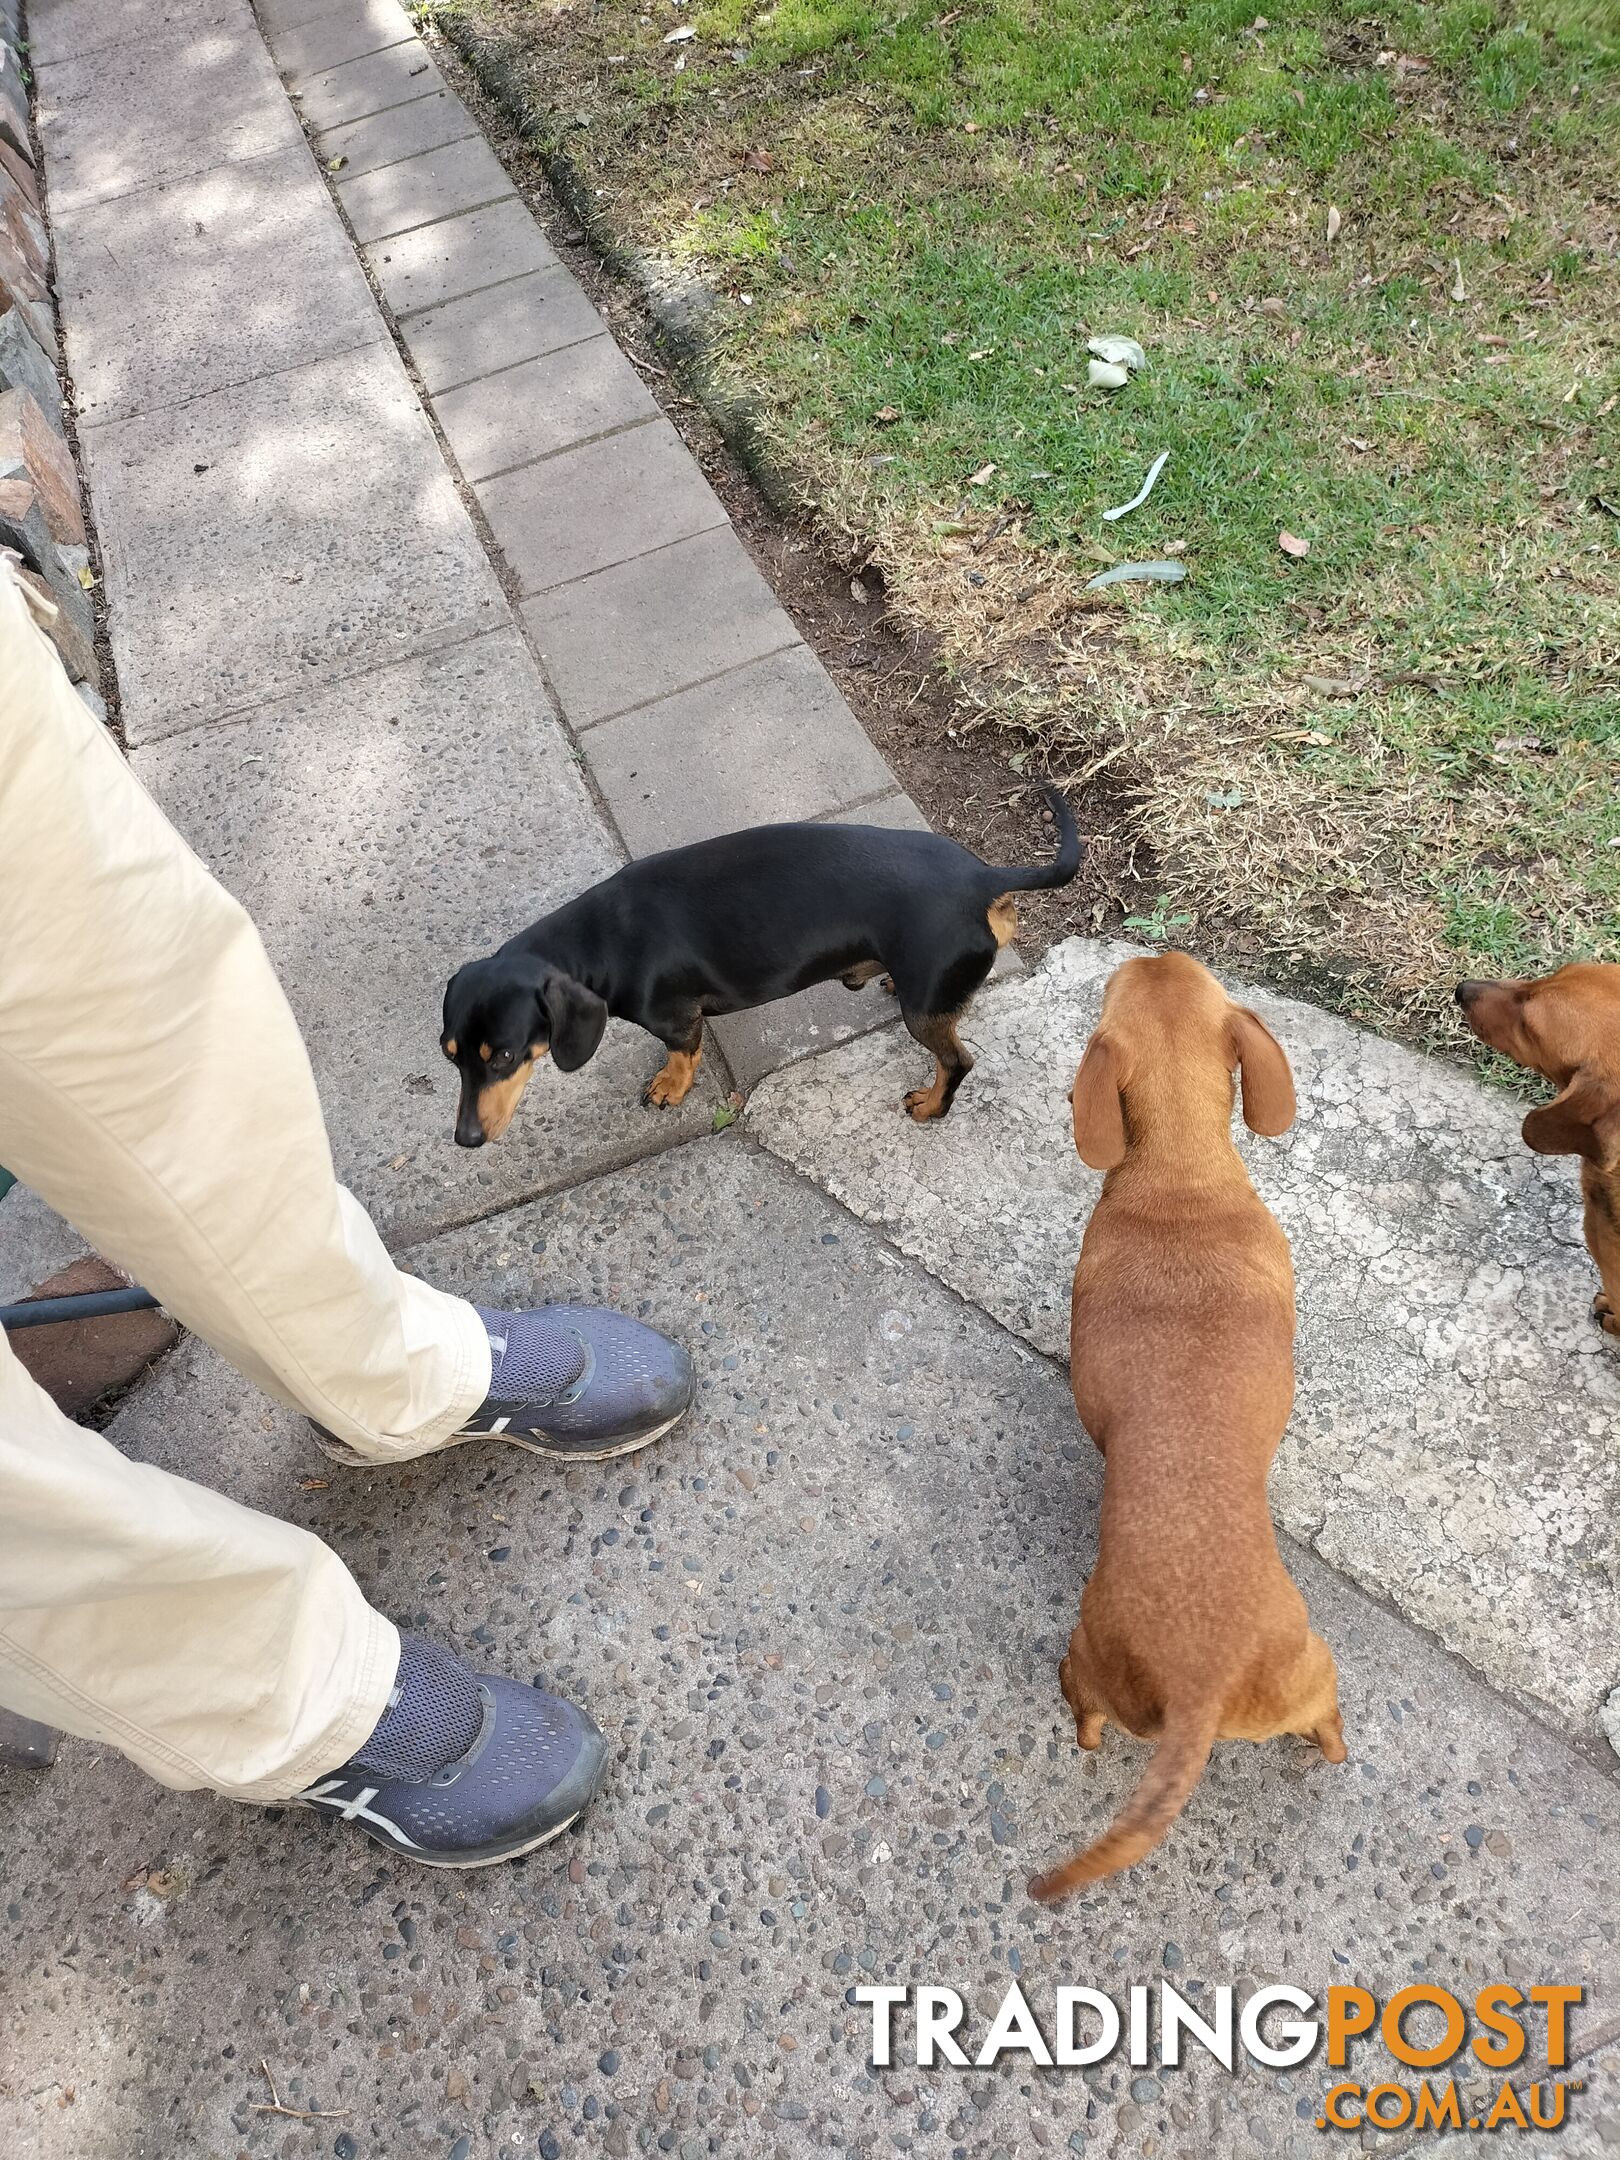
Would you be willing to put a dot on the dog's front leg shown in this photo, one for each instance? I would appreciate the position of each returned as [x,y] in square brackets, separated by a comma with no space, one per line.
[1602,1224]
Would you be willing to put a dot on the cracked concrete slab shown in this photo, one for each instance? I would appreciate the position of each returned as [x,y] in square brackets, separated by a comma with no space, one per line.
[1453,1446]
[820,1625]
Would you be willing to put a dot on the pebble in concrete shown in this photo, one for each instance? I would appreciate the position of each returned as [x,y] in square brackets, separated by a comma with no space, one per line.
[1453,1442]
[852,1570]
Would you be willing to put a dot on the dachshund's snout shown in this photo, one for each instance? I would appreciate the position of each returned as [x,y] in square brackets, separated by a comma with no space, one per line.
[469,1133]
[1466,992]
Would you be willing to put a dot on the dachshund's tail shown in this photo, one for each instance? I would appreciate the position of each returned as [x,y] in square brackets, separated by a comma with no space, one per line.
[1065,864]
[1167,1785]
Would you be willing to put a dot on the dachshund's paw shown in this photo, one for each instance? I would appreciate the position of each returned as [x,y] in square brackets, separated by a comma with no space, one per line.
[1605,1315]
[1088,1728]
[886,985]
[924,1104]
[665,1089]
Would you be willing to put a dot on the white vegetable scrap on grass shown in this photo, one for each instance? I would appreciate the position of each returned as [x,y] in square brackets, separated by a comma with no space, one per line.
[1118,351]
[1154,573]
[1143,492]
[1116,360]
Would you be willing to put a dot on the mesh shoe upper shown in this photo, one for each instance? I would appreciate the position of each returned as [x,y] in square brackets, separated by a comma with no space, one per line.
[533,1355]
[434,1715]
[536,1763]
[630,1382]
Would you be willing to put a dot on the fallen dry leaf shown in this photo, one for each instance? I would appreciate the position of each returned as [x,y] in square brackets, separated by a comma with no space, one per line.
[1334,221]
[1292,544]
[984,474]
[679,35]
[759,161]
[886,415]
[1459,291]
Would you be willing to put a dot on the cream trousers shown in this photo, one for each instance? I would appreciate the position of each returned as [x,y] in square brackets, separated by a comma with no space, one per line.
[155,1091]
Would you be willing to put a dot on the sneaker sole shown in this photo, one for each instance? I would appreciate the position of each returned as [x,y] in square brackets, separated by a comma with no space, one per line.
[555,1451]
[475,1859]
[340,1451]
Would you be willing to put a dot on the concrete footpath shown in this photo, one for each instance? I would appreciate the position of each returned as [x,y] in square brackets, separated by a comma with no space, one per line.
[423,616]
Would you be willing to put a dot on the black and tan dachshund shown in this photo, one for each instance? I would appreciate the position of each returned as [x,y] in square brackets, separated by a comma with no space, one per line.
[732,923]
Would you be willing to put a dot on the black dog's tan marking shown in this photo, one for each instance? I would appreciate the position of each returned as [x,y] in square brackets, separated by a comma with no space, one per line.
[734,923]
[672,1082]
[952,1065]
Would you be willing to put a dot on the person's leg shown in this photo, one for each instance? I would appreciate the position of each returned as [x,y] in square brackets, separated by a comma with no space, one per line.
[217,1647]
[154,1089]
[212,1645]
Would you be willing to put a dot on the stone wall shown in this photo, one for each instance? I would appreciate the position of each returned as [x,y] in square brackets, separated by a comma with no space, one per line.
[41,520]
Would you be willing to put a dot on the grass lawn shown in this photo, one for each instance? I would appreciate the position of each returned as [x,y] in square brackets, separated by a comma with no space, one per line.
[1373,263]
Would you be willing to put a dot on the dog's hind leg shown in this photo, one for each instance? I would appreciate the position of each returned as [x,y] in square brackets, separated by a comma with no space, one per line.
[1081,1695]
[952,1064]
[1315,1712]
[932,1000]
[672,1082]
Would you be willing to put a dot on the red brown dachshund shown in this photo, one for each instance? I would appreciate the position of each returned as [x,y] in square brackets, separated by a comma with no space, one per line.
[1566,1026]
[1182,1360]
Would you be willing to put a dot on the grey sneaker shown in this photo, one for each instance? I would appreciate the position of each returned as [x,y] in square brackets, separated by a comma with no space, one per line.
[575,1382]
[579,1383]
[464,1768]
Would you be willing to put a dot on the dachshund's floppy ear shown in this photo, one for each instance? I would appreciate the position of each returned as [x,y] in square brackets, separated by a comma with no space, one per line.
[576,1017]
[1583,1120]
[1099,1106]
[1268,1084]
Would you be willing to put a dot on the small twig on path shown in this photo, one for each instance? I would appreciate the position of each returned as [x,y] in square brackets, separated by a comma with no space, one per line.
[273,2106]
